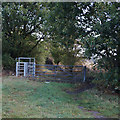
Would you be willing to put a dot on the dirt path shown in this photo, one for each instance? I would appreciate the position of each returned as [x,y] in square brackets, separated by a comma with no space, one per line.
[96,114]
[88,86]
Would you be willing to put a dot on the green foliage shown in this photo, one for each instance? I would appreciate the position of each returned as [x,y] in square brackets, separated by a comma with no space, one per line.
[57,52]
[108,79]
[20,24]
[69,58]
[94,26]
[104,41]
[8,62]
[63,29]
[42,52]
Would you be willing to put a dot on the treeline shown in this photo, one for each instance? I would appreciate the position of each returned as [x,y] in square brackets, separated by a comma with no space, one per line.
[62,31]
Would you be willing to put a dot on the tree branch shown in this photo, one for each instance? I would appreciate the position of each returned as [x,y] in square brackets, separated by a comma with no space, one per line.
[35,44]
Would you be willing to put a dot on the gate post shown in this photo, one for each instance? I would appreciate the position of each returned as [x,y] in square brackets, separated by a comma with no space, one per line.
[84,74]
[55,73]
[16,68]
[33,71]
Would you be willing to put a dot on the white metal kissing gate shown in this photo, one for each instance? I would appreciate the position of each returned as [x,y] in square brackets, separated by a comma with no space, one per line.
[25,66]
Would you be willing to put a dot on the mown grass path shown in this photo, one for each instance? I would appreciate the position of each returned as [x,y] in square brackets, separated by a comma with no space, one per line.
[24,98]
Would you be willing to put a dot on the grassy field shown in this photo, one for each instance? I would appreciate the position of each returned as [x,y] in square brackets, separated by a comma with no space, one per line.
[22,98]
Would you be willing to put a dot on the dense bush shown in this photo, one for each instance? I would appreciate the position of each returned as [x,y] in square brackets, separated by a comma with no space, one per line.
[8,62]
[108,79]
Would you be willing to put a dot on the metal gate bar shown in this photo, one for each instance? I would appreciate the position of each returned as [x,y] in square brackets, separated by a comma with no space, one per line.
[58,73]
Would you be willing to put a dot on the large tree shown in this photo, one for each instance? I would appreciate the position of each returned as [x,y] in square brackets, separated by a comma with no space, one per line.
[95,25]
[21,29]
[103,42]
[65,23]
